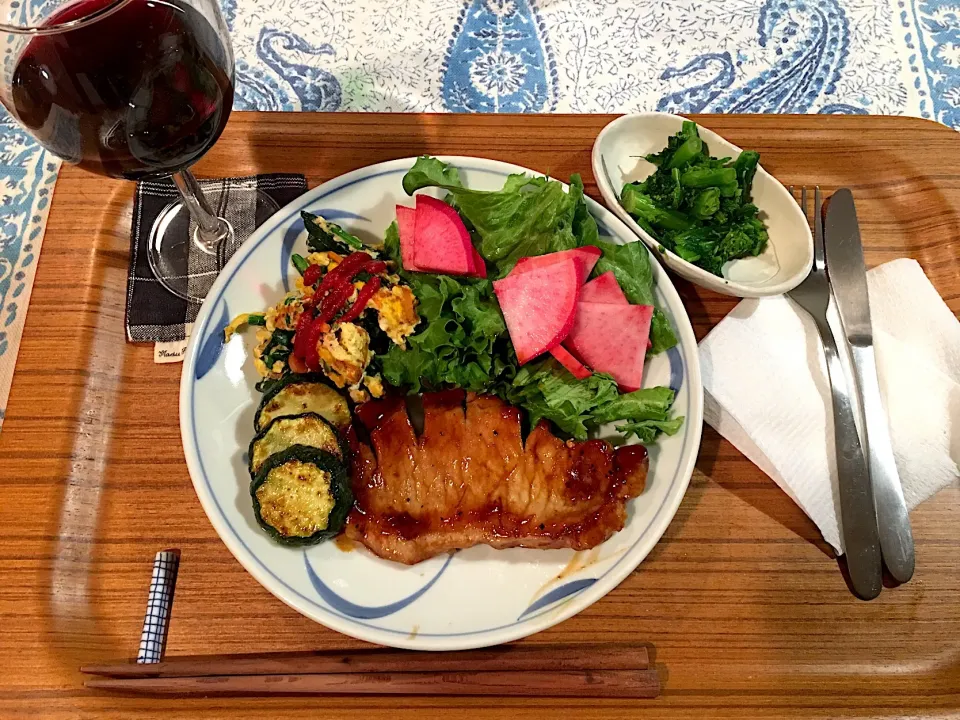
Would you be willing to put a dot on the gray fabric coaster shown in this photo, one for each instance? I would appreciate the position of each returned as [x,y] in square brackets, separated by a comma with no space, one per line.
[156,315]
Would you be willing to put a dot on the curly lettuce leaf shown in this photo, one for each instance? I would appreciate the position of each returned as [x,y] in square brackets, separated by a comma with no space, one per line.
[662,336]
[391,246]
[548,391]
[429,172]
[527,216]
[646,431]
[458,345]
[463,340]
[462,336]
[584,225]
[646,411]
[647,404]
[630,264]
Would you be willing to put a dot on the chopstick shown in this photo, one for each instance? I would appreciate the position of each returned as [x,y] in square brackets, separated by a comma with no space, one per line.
[541,683]
[506,658]
[587,670]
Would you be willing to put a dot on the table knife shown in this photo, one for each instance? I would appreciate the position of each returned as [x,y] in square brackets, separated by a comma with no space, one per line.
[848,278]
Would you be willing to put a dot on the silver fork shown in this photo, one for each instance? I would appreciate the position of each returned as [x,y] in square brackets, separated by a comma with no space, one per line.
[861,538]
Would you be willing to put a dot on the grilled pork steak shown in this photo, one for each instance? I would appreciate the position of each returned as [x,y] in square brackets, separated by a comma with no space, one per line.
[469,479]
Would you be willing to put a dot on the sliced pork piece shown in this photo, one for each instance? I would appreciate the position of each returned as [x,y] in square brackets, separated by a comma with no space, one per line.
[469,479]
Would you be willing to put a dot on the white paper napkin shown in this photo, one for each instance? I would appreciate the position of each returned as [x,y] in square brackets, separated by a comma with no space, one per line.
[766,390]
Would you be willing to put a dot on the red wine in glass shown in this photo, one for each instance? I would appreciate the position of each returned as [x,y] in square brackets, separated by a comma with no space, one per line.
[144,91]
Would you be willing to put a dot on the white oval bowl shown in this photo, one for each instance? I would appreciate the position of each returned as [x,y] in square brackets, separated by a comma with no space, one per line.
[473,598]
[618,158]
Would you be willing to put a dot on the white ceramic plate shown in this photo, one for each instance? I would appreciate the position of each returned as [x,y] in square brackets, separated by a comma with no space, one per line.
[473,598]
[618,158]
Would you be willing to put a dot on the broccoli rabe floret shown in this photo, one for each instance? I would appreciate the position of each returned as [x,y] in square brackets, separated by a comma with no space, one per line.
[699,206]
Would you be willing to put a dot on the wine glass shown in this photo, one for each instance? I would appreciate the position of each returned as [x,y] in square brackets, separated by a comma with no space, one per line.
[134,89]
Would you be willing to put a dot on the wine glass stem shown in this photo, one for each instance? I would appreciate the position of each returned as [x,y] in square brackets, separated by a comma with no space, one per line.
[211,230]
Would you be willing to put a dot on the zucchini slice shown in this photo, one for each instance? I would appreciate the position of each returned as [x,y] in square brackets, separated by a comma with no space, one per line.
[307,429]
[302,495]
[299,394]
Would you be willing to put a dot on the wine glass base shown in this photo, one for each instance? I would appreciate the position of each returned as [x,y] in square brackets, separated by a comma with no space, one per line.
[178,259]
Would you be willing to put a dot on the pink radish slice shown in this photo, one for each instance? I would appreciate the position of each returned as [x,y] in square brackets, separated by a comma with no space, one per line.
[586,258]
[604,289]
[539,306]
[442,243]
[407,224]
[479,264]
[575,367]
[612,339]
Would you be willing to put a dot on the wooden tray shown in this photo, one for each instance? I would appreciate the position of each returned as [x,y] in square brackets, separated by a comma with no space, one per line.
[746,609]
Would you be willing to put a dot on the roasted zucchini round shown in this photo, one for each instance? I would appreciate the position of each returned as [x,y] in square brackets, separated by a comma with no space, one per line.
[298,394]
[307,429]
[302,495]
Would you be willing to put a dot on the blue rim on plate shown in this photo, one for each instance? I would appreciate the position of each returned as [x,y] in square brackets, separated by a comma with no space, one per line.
[330,607]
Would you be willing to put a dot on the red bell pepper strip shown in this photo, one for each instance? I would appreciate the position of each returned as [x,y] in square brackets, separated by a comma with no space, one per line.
[311,275]
[312,358]
[332,294]
[375,267]
[334,301]
[363,297]
[329,306]
[343,272]
[300,334]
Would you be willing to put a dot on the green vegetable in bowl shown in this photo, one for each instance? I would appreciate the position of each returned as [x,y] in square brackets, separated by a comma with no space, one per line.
[698,206]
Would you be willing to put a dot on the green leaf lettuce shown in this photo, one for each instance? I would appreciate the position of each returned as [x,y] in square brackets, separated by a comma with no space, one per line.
[462,339]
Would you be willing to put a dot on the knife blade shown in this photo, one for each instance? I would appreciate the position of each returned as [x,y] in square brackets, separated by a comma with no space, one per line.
[848,278]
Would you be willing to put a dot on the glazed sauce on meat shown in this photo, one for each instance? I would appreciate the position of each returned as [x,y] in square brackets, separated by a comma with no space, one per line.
[629,458]
[345,544]
[471,478]
[630,464]
[406,525]
[591,457]
[373,413]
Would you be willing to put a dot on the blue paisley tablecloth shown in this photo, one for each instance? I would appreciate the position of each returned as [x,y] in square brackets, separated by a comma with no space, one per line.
[583,56]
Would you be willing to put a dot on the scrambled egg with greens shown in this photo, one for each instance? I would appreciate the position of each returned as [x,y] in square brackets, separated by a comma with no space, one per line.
[346,311]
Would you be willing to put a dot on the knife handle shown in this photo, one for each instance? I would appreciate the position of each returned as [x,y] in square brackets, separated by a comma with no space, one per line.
[896,538]
[858,516]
